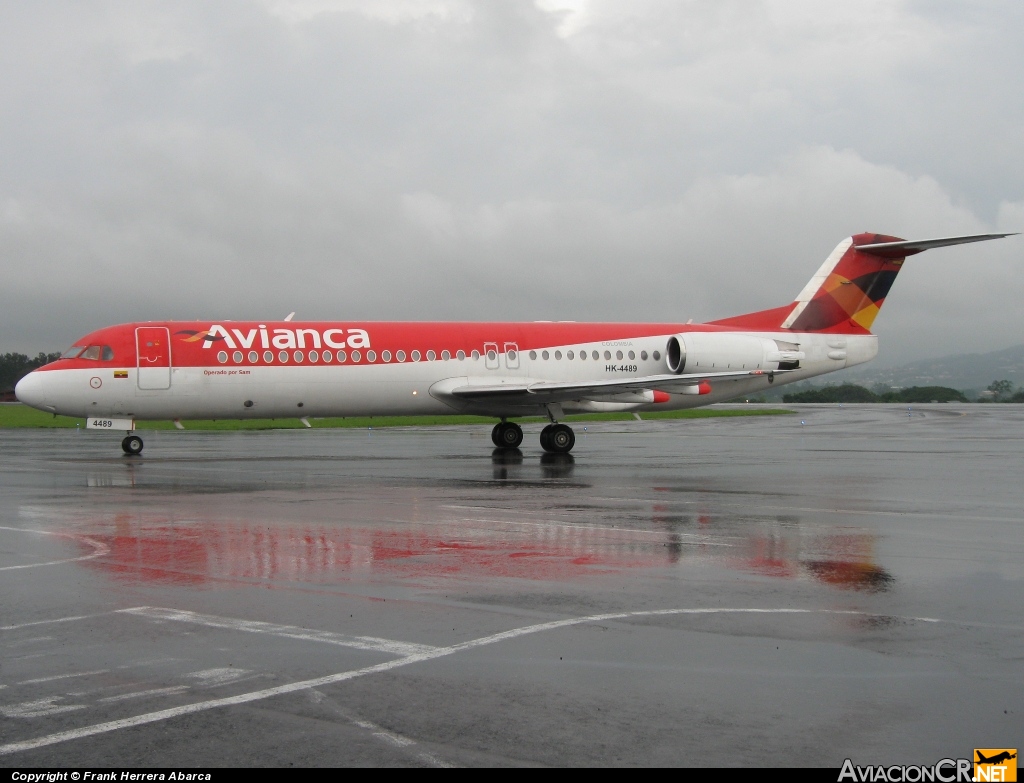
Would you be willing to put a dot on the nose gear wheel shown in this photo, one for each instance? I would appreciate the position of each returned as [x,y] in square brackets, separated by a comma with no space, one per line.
[132,445]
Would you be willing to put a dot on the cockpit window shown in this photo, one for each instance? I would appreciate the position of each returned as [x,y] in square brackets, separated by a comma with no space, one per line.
[92,352]
[108,353]
[72,352]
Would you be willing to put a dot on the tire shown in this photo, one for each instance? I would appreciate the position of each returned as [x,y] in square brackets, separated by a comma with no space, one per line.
[496,434]
[132,445]
[561,439]
[545,438]
[511,436]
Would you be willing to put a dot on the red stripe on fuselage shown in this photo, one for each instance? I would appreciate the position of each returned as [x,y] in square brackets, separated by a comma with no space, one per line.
[383,336]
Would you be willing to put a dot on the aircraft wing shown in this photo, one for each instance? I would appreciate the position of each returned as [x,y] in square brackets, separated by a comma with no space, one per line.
[542,392]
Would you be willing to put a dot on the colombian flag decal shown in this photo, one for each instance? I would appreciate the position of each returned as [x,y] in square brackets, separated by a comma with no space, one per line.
[120,373]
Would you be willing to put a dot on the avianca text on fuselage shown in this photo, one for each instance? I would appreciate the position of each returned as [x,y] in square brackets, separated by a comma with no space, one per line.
[164,370]
[282,338]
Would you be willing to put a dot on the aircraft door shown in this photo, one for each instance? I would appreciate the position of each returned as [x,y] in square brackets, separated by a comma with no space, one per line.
[512,356]
[491,356]
[153,348]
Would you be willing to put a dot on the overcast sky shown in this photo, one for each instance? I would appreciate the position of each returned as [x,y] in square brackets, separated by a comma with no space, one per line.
[504,160]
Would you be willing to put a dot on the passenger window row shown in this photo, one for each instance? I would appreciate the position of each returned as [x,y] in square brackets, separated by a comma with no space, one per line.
[106,354]
[596,355]
[238,357]
[341,357]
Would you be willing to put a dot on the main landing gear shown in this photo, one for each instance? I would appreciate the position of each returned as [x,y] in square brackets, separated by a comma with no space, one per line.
[132,445]
[554,438]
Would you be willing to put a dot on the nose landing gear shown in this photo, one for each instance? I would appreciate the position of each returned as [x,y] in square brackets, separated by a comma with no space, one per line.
[132,445]
[507,435]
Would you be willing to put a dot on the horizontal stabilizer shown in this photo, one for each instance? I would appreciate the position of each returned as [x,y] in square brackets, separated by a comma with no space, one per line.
[904,248]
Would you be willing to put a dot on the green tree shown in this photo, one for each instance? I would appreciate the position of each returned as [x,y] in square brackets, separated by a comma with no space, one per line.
[925,394]
[1000,388]
[15,366]
[848,392]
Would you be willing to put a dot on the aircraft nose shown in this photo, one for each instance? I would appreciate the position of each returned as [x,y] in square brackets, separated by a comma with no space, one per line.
[31,391]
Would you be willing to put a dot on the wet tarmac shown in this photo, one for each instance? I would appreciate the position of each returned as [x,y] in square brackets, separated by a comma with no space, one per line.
[846,582]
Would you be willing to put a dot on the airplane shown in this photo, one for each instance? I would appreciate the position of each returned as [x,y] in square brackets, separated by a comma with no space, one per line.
[996,759]
[286,369]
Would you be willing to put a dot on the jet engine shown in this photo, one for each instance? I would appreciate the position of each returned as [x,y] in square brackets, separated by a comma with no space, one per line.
[697,352]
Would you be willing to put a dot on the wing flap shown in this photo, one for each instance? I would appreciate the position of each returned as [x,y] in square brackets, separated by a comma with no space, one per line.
[549,391]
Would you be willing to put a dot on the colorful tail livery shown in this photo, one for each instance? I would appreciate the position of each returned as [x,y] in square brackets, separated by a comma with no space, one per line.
[850,287]
[243,370]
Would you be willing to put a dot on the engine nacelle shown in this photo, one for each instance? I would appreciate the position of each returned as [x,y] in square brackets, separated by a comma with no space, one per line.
[697,352]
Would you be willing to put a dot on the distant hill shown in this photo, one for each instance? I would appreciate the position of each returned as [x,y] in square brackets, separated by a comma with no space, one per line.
[967,372]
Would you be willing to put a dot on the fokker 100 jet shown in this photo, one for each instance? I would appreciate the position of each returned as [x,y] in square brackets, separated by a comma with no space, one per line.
[240,370]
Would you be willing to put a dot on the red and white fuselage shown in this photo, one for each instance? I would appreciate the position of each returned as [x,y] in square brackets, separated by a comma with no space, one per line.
[239,370]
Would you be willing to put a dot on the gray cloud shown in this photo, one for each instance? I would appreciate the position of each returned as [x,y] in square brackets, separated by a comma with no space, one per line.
[503,160]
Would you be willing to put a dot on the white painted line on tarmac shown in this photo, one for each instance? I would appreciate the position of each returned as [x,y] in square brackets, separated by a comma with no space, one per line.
[148,662]
[58,620]
[99,549]
[372,643]
[436,652]
[62,677]
[38,655]
[143,694]
[210,678]
[33,640]
[433,760]
[389,737]
[38,708]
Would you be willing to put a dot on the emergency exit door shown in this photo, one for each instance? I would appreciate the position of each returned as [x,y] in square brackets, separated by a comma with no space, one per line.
[153,348]
[491,356]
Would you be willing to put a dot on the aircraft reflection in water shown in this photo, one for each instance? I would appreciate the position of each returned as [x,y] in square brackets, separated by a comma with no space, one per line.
[472,544]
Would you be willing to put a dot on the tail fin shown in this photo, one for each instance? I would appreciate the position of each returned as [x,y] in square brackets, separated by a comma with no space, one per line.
[850,288]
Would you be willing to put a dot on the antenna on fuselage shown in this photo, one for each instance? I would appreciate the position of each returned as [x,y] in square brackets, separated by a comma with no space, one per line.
[290,316]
